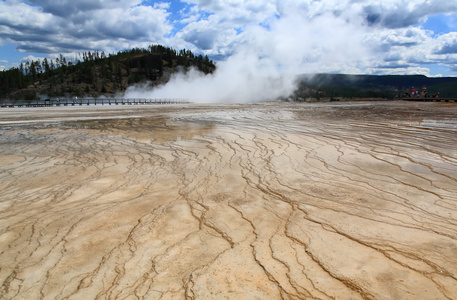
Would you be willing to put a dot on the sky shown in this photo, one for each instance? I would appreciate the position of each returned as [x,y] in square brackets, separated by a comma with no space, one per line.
[399,37]
[271,37]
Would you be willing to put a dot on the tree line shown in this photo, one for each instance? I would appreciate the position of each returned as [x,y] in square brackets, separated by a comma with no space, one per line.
[96,71]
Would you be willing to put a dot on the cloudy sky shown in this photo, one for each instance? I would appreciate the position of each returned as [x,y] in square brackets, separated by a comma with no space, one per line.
[291,36]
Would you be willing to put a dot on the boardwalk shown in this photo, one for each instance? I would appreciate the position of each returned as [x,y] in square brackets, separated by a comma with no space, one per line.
[89,101]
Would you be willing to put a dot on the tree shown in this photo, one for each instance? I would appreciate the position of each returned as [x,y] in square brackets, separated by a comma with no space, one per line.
[27,68]
[63,60]
[32,70]
[47,68]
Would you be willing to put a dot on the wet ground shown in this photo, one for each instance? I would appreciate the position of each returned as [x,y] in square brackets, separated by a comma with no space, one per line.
[277,201]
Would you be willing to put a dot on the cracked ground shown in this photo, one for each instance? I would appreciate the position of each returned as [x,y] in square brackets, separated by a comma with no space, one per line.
[353,200]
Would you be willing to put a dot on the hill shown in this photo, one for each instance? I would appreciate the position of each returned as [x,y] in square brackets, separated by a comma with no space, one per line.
[372,86]
[97,74]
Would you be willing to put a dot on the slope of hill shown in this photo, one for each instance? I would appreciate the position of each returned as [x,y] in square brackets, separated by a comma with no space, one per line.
[98,74]
[372,86]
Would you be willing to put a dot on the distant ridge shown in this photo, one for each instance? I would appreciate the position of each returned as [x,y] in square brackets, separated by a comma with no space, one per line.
[383,86]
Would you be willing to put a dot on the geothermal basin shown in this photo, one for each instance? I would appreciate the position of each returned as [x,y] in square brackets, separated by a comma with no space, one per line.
[348,200]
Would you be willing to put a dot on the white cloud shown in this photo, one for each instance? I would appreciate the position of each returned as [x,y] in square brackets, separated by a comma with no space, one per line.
[404,37]
[30,58]
[384,26]
[66,8]
[447,44]
[79,25]
[404,13]
[133,23]
[3,65]
[304,35]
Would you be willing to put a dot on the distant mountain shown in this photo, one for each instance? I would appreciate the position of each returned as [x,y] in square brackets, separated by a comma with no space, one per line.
[97,74]
[372,86]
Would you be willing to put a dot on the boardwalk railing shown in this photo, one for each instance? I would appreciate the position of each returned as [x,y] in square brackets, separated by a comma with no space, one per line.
[89,101]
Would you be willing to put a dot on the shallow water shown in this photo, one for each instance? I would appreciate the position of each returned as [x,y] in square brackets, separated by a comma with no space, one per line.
[262,201]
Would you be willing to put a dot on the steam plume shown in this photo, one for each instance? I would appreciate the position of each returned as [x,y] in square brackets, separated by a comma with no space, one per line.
[265,64]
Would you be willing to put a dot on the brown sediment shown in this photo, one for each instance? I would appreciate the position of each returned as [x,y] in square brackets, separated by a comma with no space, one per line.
[274,201]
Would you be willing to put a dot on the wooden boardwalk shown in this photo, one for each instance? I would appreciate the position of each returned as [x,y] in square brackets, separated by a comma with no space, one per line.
[89,101]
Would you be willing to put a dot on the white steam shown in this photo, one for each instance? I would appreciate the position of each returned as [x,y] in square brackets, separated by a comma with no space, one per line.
[243,77]
[267,59]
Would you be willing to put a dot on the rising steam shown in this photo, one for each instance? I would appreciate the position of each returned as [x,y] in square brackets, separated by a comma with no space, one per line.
[265,64]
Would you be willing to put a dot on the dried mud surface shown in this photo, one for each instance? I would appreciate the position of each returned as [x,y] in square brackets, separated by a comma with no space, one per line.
[275,201]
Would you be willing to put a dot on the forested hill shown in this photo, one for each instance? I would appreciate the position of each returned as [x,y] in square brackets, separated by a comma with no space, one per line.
[97,73]
[372,86]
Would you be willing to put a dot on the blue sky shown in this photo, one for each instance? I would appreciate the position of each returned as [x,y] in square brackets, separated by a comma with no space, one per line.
[294,36]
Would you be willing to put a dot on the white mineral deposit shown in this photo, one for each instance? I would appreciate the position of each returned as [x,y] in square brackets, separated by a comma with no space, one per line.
[349,200]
